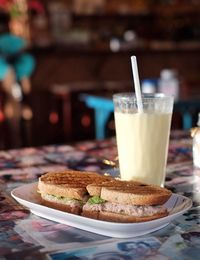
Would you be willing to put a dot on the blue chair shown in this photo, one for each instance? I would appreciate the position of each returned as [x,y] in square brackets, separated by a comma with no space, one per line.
[187,109]
[103,107]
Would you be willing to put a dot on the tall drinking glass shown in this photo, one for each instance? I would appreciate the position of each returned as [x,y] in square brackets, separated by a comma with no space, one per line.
[143,137]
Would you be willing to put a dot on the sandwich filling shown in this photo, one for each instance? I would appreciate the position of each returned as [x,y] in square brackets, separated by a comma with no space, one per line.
[63,200]
[97,204]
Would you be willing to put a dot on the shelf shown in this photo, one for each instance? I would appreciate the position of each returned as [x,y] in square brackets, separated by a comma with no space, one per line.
[111,15]
[160,9]
[176,9]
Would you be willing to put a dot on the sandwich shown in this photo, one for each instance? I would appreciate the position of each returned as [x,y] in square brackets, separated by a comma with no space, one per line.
[66,190]
[125,201]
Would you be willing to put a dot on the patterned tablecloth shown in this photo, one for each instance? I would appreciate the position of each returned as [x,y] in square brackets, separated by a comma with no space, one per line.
[24,235]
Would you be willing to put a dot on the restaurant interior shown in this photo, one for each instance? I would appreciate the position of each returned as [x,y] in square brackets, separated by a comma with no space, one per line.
[82,48]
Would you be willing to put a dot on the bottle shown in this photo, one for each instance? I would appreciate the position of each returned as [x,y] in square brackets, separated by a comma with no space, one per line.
[195,133]
[169,83]
[148,86]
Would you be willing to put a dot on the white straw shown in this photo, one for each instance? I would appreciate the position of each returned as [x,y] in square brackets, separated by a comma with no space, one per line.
[136,83]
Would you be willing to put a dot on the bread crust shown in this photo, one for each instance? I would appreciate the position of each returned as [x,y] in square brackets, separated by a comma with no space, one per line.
[120,218]
[59,206]
[90,214]
[114,217]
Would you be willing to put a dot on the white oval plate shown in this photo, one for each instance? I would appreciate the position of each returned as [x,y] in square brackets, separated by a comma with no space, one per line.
[27,196]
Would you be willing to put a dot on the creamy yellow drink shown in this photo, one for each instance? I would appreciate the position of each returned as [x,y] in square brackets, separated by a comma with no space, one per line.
[142,131]
[142,140]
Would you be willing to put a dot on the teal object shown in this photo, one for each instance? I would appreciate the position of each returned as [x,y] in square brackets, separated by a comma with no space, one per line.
[12,55]
[4,67]
[103,107]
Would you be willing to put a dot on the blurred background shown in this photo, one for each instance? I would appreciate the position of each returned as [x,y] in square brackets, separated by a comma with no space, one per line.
[74,47]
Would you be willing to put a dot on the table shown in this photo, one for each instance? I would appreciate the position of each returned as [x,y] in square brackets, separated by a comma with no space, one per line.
[27,236]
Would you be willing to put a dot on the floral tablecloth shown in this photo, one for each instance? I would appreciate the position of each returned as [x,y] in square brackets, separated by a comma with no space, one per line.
[24,235]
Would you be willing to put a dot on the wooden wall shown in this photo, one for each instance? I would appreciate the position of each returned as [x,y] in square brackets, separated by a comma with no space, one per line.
[61,66]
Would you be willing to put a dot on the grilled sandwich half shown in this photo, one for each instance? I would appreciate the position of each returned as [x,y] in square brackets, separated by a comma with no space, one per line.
[125,201]
[66,190]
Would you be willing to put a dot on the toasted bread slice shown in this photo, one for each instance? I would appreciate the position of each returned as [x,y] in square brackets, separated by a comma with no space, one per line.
[130,192]
[62,190]
[94,189]
[69,183]
[70,176]
[74,209]
[133,194]
[120,218]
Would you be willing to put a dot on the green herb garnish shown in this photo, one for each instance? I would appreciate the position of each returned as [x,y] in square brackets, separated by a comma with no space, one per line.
[95,200]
